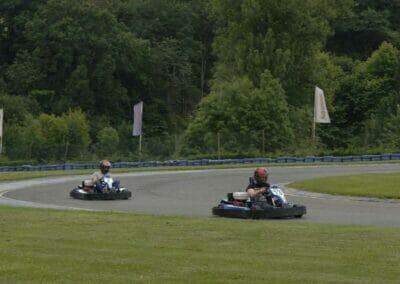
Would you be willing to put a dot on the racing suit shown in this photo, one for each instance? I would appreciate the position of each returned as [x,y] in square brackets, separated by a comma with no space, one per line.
[263,199]
[101,186]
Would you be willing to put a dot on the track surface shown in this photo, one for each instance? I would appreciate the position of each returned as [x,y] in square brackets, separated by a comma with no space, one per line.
[194,193]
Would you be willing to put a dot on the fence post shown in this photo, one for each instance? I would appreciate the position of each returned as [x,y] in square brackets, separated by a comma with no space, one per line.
[263,141]
[218,146]
[66,151]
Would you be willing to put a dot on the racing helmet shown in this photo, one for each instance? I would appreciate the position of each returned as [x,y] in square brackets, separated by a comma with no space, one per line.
[104,166]
[260,175]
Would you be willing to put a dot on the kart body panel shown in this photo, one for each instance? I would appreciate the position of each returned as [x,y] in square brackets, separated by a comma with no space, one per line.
[237,206]
[84,194]
[88,191]
[232,211]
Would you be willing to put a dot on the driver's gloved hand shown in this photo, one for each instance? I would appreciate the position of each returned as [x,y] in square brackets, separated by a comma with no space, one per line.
[267,192]
[116,185]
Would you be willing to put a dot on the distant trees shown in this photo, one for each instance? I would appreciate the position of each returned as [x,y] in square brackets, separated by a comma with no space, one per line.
[315,43]
[238,74]
[108,141]
[49,137]
[75,55]
[102,56]
[368,100]
[180,35]
[256,43]
[246,117]
[361,30]
[283,37]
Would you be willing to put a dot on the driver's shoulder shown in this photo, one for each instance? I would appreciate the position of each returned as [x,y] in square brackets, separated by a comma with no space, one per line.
[97,175]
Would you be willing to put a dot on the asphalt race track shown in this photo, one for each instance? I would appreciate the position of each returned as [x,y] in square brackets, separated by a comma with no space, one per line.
[194,193]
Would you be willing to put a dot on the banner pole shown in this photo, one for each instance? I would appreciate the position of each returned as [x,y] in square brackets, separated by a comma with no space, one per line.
[263,141]
[218,142]
[313,132]
[140,144]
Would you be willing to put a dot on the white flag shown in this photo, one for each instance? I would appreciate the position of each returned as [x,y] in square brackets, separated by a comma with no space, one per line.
[321,114]
[137,119]
[1,123]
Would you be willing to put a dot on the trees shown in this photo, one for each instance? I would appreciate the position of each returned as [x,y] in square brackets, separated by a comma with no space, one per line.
[100,57]
[76,55]
[362,30]
[372,92]
[77,138]
[241,113]
[13,16]
[281,36]
[108,141]
[48,137]
[266,41]
[180,36]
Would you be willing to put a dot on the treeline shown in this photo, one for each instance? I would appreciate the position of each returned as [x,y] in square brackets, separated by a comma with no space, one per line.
[233,77]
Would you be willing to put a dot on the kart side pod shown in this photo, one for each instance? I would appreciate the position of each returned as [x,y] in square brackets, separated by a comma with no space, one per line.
[239,205]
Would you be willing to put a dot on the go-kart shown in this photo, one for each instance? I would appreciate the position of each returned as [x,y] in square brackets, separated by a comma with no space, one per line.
[239,205]
[88,191]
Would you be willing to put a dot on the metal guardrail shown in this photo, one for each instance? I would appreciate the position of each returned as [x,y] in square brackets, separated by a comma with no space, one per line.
[206,162]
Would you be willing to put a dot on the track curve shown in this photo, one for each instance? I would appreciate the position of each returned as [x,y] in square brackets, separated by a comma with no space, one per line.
[195,192]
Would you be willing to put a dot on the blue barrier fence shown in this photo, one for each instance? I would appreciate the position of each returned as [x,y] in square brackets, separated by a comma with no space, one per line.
[206,162]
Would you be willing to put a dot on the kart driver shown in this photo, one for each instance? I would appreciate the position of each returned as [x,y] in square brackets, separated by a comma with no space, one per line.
[97,177]
[258,188]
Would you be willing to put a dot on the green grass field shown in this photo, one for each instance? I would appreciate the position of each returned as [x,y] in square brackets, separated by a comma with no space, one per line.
[52,246]
[368,185]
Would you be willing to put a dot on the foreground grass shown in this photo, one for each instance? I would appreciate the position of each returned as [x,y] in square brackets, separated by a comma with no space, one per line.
[368,185]
[51,246]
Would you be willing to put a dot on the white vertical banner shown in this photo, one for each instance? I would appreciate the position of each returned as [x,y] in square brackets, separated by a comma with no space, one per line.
[321,114]
[137,119]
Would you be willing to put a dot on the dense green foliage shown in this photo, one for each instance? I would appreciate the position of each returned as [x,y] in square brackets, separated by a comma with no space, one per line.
[49,136]
[235,77]
[237,112]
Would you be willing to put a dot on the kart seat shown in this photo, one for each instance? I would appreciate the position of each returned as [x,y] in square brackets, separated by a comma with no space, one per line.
[88,183]
[240,195]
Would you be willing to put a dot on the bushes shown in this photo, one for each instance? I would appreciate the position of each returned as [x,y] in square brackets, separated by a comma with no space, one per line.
[48,137]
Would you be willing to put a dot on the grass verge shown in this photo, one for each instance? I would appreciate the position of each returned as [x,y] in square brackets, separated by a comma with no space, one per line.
[23,175]
[52,246]
[368,185]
